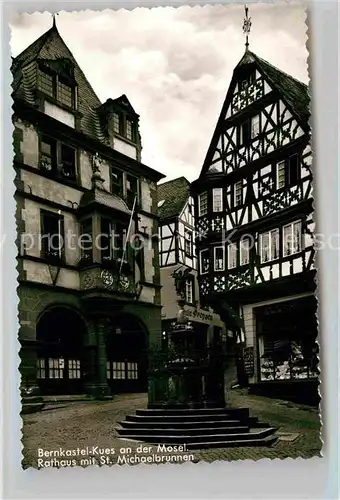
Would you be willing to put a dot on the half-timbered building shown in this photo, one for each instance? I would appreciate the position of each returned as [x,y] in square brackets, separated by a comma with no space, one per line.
[89,289]
[178,265]
[254,208]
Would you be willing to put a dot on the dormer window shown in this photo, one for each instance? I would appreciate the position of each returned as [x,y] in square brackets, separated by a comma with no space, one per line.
[45,83]
[129,130]
[56,86]
[116,123]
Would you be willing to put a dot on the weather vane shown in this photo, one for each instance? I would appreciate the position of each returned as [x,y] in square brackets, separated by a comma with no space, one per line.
[53,17]
[246,26]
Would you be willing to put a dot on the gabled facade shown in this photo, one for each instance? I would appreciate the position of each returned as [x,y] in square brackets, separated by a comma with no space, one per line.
[178,263]
[255,226]
[89,289]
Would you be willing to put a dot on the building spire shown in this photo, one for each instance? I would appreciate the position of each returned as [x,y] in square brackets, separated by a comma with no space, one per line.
[54,25]
[246,26]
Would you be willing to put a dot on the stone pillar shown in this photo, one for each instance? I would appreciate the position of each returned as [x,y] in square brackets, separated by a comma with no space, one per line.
[96,384]
[31,399]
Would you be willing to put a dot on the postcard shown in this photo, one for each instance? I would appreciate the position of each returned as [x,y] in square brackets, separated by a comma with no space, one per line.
[165,234]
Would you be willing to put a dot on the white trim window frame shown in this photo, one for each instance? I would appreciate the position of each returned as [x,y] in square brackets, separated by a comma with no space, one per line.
[232,256]
[202,204]
[292,238]
[281,174]
[238,193]
[217,199]
[255,126]
[269,246]
[219,260]
[204,266]
[244,251]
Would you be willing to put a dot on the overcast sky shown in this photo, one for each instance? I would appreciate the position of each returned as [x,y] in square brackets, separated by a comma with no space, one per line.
[175,65]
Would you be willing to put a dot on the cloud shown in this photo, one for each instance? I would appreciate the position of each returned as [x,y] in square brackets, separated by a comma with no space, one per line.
[174,65]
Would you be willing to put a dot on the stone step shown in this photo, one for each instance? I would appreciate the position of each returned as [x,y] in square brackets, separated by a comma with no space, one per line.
[169,431]
[201,438]
[235,412]
[186,417]
[178,424]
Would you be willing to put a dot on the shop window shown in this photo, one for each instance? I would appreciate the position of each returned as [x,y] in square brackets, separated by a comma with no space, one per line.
[218,200]
[202,204]
[286,359]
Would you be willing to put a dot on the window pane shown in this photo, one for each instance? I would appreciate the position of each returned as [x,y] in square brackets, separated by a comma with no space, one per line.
[116,123]
[238,193]
[47,153]
[255,126]
[281,174]
[244,247]
[67,166]
[293,169]
[202,204]
[217,200]
[274,244]
[51,237]
[45,83]
[205,261]
[188,242]
[297,237]
[287,240]
[232,256]
[117,182]
[64,94]
[265,249]
[219,258]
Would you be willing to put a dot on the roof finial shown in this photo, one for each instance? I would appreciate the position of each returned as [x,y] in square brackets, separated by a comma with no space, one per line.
[54,25]
[246,26]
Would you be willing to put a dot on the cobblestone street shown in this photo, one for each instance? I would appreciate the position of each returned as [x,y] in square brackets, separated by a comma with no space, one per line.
[92,424]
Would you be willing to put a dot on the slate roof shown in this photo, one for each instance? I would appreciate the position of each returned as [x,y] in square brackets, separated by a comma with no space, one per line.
[175,194]
[294,92]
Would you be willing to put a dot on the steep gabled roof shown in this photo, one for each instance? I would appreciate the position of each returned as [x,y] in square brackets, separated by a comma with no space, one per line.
[172,197]
[294,92]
